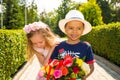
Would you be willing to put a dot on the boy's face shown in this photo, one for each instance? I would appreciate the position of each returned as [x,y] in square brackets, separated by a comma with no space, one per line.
[38,40]
[74,30]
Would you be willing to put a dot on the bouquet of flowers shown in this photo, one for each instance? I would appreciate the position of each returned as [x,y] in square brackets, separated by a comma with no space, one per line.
[68,68]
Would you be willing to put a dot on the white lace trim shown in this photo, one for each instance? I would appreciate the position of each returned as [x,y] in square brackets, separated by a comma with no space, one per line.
[41,50]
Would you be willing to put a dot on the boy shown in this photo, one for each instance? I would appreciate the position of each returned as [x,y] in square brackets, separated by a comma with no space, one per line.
[74,26]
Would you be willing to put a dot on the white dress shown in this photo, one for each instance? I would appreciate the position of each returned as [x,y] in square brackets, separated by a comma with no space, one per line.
[30,70]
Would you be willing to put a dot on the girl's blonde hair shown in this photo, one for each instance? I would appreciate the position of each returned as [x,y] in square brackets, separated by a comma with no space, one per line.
[43,30]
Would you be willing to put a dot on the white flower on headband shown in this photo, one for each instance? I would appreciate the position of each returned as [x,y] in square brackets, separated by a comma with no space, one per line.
[34,26]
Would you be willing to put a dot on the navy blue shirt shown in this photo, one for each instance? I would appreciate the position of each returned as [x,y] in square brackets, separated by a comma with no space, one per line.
[81,50]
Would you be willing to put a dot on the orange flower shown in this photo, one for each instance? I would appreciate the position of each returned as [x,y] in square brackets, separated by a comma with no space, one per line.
[64,71]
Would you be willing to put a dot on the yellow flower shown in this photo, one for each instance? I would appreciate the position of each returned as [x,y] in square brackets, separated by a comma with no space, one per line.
[52,71]
[79,62]
[42,68]
[48,69]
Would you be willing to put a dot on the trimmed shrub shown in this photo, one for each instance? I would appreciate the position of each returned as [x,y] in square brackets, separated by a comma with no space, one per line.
[12,50]
[92,12]
[105,40]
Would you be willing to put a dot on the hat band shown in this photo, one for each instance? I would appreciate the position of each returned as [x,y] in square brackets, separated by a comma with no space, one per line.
[75,18]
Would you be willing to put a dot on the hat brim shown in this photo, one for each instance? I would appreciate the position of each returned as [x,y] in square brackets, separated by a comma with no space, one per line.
[87,25]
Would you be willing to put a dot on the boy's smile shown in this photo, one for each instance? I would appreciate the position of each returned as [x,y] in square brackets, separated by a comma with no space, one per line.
[74,30]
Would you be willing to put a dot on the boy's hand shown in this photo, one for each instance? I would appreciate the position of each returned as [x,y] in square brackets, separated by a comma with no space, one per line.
[84,78]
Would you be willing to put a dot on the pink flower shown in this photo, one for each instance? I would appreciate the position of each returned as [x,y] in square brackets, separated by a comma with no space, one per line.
[41,73]
[57,73]
[34,26]
[39,25]
[27,29]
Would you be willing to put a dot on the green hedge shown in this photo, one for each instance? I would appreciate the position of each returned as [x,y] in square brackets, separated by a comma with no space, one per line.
[12,50]
[105,40]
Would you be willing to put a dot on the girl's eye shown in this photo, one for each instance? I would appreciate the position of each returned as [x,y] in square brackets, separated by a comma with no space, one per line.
[40,42]
[37,43]
[34,44]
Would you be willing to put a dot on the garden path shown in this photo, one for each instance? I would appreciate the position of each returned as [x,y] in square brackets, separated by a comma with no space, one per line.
[103,71]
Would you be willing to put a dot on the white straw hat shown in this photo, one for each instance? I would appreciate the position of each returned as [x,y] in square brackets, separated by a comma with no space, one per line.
[75,15]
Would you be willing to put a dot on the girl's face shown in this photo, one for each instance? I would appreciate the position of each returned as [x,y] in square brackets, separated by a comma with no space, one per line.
[38,41]
[74,30]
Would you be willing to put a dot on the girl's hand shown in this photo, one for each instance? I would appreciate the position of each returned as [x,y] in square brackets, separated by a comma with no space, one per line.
[50,52]
[55,44]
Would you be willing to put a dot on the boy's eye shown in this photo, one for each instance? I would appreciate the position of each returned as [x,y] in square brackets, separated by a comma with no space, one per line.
[76,28]
[79,28]
[70,27]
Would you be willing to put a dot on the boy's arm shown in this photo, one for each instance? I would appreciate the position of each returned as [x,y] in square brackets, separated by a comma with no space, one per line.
[91,71]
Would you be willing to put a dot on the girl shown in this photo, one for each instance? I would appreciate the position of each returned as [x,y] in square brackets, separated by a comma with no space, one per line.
[40,41]
[40,44]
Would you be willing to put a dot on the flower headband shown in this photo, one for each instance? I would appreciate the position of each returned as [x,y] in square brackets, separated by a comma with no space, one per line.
[34,26]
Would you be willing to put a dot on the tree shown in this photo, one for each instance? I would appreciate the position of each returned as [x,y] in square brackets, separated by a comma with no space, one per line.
[32,13]
[13,15]
[110,10]
[44,16]
[52,18]
[92,12]
[115,6]
[106,11]
[48,18]
[116,17]
[61,12]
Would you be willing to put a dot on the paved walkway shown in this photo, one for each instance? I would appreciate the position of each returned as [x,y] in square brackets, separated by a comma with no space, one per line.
[102,72]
